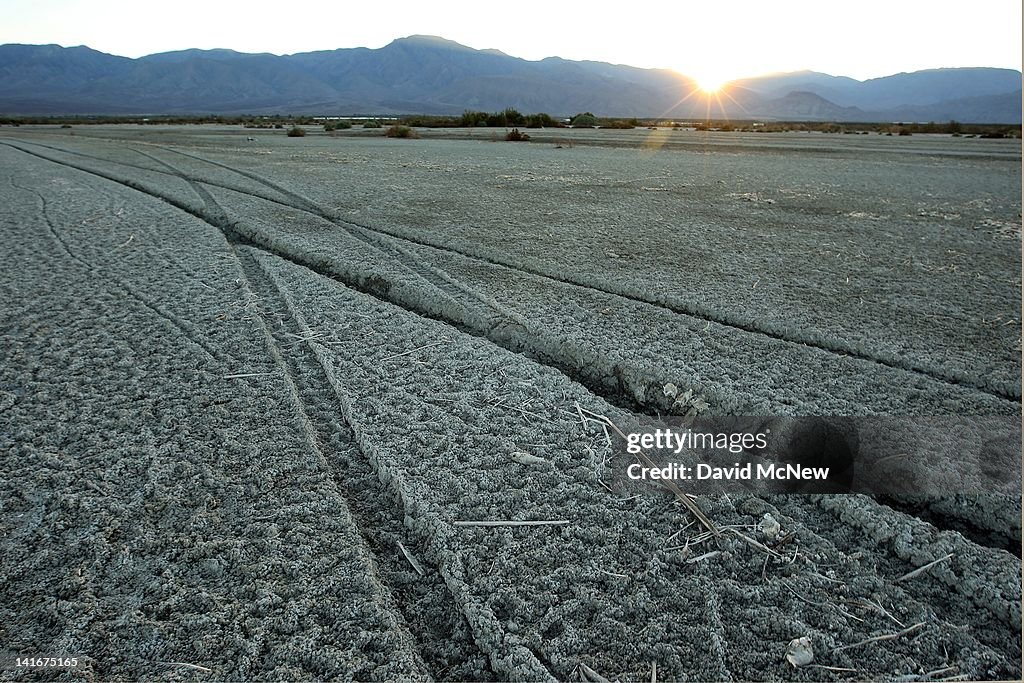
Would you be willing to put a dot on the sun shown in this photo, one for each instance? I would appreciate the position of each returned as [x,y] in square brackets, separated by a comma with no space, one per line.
[709,85]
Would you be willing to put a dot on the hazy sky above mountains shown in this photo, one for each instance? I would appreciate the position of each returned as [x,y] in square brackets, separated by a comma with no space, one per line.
[865,39]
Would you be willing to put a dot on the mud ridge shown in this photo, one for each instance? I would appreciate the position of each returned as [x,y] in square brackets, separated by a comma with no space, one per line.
[835,346]
[607,380]
[632,386]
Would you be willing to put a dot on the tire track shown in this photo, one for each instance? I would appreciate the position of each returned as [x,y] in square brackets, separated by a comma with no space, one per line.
[483,311]
[595,374]
[380,240]
[515,337]
[485,637]
[379,523]
[181,325]
[833,346]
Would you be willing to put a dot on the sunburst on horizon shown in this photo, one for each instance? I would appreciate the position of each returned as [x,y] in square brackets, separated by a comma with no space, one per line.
[711,84]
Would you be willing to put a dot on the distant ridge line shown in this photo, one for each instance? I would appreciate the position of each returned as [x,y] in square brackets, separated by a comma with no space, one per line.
[433,75]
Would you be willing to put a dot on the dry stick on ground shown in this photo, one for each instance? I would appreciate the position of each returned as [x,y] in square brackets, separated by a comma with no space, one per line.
[922,570]
[247,374]
[411,559]
[540,522]
[823,604]
[944,670]
[679,532]
[591,675]
[618,576]
[95,487]
[756,544]
[418,348]
[705,556]
[667,483]
[887,636]
[189,666]
[527,412]
[877,607]
[830,668]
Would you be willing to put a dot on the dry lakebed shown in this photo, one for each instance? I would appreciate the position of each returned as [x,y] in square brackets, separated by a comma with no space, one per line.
[344,406]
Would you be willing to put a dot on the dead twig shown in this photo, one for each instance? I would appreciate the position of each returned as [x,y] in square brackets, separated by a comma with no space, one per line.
[411,559]
[822,604]
[418,348]
[875,606]
[667,483]
[887,636]
[512,522]
[923,569]
[617,576]
[188,666]
[831,668]
[591,675]
[679,532]
[247,374]
[527,412]
[705,556]
[756,544]
[95,487]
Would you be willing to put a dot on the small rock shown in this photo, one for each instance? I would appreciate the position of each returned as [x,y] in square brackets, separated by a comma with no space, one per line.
[799,652]
[770,527]
[670,390]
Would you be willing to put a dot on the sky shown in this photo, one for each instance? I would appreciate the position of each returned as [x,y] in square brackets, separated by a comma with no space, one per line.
[708,41]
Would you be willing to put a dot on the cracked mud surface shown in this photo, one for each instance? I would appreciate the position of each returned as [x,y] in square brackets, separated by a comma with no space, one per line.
[243,386]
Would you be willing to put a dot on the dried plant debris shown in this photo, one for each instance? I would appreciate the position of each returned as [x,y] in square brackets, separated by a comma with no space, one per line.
[685,403]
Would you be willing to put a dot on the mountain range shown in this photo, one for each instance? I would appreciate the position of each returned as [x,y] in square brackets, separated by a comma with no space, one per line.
[431,75]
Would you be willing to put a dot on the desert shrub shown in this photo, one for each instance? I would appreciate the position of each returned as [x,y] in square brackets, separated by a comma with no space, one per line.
[508,117]
[397,131]
[586,119]
[904,131]
[619,124]
[65,125]
[278,125]
[342,125]
[296,132]
[424,121]
[513,117]
[372,124]
[515,135]
[472,119]
[541,120]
